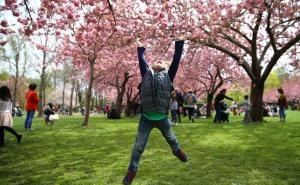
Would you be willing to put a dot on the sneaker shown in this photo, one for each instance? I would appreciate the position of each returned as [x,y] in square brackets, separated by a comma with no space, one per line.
[192,120]
[180,155]
[128,177]
[19,138]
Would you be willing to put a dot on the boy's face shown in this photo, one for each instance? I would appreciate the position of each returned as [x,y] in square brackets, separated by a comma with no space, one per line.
[158,66]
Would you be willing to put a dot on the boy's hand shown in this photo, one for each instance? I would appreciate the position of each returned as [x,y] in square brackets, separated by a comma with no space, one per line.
[139,43]
[179,37]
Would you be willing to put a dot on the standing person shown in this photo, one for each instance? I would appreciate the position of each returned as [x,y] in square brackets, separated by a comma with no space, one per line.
[224,113]
[282,102]
[6,120]
[218,103]
[190,103]
[107,108]
[246,108]
[180,104]
[31,105]
[49,111]
[155,91]
[174,107]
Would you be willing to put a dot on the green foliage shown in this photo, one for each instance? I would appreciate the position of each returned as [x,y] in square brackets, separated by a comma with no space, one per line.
[236,95]
[273,81]
[4,75]
[219,154]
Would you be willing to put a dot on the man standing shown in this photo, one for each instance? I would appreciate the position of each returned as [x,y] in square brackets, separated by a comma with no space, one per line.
[190,103]
[180,104]
[219,98]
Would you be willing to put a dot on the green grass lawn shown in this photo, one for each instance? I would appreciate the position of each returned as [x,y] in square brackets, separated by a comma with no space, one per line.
[221,154]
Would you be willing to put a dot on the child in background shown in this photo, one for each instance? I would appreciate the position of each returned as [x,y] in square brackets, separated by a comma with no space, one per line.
[246,108]
[6,120]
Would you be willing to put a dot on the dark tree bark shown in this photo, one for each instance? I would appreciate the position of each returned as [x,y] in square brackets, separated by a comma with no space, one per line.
[130,101]
[256,98]
[121,90]
[16,79]
[91,59]
[71,98]
[42,84]
[209,103]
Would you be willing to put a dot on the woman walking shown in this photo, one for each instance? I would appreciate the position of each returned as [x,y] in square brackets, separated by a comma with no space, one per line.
[6,120]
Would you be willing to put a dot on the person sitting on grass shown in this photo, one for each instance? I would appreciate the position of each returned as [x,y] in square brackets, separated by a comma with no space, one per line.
[48,111]
[6,120]
[155,90]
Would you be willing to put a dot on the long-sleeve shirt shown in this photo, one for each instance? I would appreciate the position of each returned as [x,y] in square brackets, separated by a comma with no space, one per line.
[282,102]
[174,65]
[246,105]
[221,97]
[32,100]
[5,106]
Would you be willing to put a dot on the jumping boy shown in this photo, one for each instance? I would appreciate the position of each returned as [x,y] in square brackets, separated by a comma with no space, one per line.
[155,90]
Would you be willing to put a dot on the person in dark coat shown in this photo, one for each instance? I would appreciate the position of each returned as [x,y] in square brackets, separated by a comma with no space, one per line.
[218,104]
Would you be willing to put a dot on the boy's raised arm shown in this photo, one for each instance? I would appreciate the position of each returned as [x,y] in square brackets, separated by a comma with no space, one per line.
[142,62]
[176,59]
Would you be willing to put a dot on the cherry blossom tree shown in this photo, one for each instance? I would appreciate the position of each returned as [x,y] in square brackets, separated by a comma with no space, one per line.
[208,70]
[85,27]
[18,16]
[255,33]
[16,55]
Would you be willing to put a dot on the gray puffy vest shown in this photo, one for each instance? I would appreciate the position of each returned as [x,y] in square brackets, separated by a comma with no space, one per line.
[155,92]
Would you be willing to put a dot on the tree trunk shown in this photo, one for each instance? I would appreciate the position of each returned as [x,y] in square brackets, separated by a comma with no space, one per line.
[71,98]
[121,90]
[16,81]
[75,99]
[129,108]
[63,93]
[88,94]
[256,98]
[44,93]
[79,94]
[41,88]
[209,107]
[15,92]
[119,103]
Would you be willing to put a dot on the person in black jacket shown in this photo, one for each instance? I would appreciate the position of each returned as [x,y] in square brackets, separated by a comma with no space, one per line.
[218,103]
[48,111]
[180,100]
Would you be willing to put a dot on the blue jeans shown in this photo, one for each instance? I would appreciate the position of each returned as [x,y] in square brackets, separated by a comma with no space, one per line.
[191,111]
[144,129]
[174,116]
[29,118]
[282,113]
[218,113]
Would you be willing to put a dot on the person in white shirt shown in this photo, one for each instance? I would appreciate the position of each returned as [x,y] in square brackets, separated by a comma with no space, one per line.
[6,120]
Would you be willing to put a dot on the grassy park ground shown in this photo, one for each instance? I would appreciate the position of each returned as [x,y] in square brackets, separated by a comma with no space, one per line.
[219,154]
